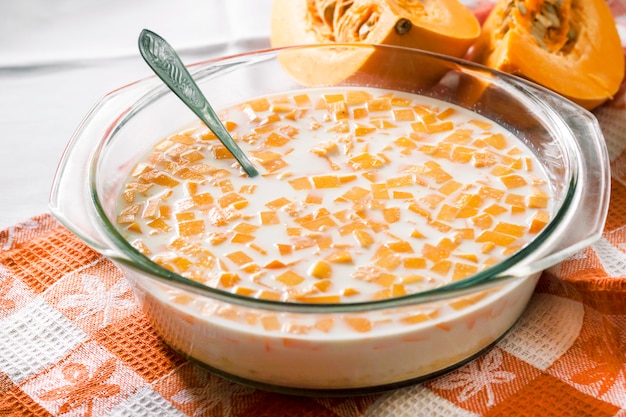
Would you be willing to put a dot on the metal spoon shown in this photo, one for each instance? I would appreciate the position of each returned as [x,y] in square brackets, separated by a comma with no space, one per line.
[167,65]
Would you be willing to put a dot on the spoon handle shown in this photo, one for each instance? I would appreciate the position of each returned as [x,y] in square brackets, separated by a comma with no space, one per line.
[166,64]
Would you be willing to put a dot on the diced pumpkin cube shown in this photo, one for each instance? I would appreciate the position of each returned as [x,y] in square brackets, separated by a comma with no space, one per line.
[482,221]
[360,324]
[461,137]
[412,279]
[320,224]
[539,221]
[391,214]
[356,193]
[510,229]
[365,161]
[389,262]
[403,115]
[219,151]
[191,227]
[400,246]
[416,318]
[380,191]
[450,187]
[239,257]
[442,267]
[359,113]
[302,100]
[290,278]
[515,200]
[151,209]
[228,279]
[274,264]
[487,247]
[495,210]
[232,199]
[497,140]
[432,200]
[401,195]
[245,291]
[241,238]
[379,104]
[259,105]
[513,181]
[435,253]
[269,322]
[276,140]
[326,181]
[447,213]
[403,181]
[462,155]
[439,175]
[284,249]
[496,238]
[320,299]
[356,97]
[483,159]
[472,257]
[338,109]
[348,292]
[320,269]
[481,124]
[362,130]
[414,263]
[364,238]
[269,217]
[462,270]
[446,113]
[439,127]
[333,98]
[302,183]
[342,256]
[278,203]
[159,224]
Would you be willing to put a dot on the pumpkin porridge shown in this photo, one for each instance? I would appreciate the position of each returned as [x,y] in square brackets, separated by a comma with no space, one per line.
[364,195]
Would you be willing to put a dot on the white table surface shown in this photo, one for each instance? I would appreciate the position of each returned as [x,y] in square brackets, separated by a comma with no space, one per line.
[58,58]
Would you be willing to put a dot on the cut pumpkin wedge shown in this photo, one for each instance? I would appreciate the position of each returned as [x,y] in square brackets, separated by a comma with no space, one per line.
[569,46]
[442,26]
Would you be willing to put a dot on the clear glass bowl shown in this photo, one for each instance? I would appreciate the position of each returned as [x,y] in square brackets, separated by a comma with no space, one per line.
[412,342]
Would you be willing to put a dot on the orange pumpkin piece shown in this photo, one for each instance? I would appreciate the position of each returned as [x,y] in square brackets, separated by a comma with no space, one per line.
[569,46]
[443,26]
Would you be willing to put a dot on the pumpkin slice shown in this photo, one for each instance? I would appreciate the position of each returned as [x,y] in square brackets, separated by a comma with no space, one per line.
[569,46]
[442,26]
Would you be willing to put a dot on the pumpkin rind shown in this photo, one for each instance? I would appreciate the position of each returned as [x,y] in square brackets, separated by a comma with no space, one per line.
[580,58]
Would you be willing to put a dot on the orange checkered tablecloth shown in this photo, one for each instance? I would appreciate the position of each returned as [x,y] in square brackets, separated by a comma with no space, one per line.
[74,343]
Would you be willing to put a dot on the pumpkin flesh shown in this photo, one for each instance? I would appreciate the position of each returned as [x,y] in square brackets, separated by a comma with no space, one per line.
[569,46]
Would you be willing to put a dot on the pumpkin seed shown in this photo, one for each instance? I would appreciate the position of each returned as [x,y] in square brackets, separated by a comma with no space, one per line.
[364,30]
[545,22]
[571,34]
[538,31]
[521,6]
[552,12]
